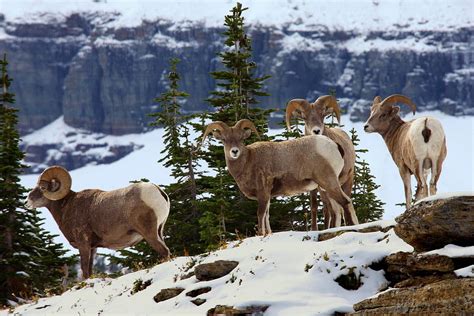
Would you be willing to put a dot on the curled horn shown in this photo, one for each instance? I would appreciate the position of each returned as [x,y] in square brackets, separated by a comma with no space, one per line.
[60,176]
[330,101]
[244,123]
[293,105]
[394,98]
[221,126]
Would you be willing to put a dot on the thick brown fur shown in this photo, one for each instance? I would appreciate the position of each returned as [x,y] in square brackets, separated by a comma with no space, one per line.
[403,145]
[112,219]
[264,170]
[313,115]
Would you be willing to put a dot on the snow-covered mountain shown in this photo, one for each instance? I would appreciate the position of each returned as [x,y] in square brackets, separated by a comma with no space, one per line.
[100,63]
[457,175]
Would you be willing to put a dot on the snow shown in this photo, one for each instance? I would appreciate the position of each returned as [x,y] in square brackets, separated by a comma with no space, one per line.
[299,15]
[266,275]
[446,195]
[456,176]
[467,272]
[452,251]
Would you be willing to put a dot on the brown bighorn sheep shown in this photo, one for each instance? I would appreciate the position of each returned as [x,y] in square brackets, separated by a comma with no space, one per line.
[94,218]
[263,170]
[416,146]
[313,115]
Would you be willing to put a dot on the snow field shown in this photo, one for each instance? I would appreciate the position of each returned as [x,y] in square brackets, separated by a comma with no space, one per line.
[290,271]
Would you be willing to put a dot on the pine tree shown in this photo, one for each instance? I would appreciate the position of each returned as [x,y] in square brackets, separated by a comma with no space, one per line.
[180,157]
[368,207]
[228,213]
[30,262]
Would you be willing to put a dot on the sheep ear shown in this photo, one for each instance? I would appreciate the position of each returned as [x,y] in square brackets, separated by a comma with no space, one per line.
[217,134]
[395,110]
[247,133]
[328,111]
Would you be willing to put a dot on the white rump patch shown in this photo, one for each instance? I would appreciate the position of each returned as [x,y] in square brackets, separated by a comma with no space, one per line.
[151,195]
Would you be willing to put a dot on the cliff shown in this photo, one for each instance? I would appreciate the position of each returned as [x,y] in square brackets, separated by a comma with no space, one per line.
[102,75]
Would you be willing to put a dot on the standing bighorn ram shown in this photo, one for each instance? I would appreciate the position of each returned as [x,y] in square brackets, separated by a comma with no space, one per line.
[313,115]
[263,170]
[94,218]
[417,146]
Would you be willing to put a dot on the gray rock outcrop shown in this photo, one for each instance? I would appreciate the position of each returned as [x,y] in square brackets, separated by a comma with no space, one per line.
[105,79]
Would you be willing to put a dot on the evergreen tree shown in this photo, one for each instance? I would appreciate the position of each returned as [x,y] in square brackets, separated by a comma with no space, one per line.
[180,157]
[368,207]
[227,212]
[30,262]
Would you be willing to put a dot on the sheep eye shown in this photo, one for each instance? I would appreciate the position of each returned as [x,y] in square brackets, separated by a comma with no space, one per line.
[42,188]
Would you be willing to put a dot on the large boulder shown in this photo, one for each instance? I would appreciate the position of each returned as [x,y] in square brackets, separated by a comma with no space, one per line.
[433,224]
[453,297]
[214,270]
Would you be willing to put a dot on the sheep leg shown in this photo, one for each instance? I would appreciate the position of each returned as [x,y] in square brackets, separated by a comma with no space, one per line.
[330,217]
[350,216]
[267,220]
[435,173]
[149,229]
[334,191]
[91,261]
[421,190]
[263,206]
[86,265]
[405,175]
[314,209]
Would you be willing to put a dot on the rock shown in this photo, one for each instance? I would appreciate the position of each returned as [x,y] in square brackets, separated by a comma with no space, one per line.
[214,270]
[199,291]
[423,280]
[404,269]
[453,297]
[166,294]
[329,235]
[105,78]
[434,224]
[409,263]
[221,310]
[198,301]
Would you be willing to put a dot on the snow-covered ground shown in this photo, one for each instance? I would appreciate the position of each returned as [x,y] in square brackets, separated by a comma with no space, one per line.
[457,175]
[290,271]
[356,15]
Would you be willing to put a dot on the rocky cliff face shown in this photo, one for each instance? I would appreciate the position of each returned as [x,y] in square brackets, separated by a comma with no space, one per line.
[105,78]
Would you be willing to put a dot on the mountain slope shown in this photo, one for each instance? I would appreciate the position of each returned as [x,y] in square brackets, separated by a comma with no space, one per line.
[291,272]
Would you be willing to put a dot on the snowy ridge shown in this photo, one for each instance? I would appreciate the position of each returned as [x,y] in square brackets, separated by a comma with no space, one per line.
[265,276]
[298,15]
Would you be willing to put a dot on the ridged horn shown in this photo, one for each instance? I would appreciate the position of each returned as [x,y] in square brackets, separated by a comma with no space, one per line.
[60,175]
[330,101]
[245,123]
[219,125]
[394,98]
[293,105]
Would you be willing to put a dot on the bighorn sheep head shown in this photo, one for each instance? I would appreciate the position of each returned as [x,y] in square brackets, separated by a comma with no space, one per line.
[314,113]
[382,112]
[232,137]
[53,184]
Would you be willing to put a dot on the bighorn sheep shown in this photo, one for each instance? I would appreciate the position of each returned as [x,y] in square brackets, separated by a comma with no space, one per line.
[95,218]
[416,146]
[263,170]
[313,115]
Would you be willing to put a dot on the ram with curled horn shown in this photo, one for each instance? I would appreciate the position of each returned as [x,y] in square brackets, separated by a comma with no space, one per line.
[94,218]
[418,147]
[265,169]
[313,115]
